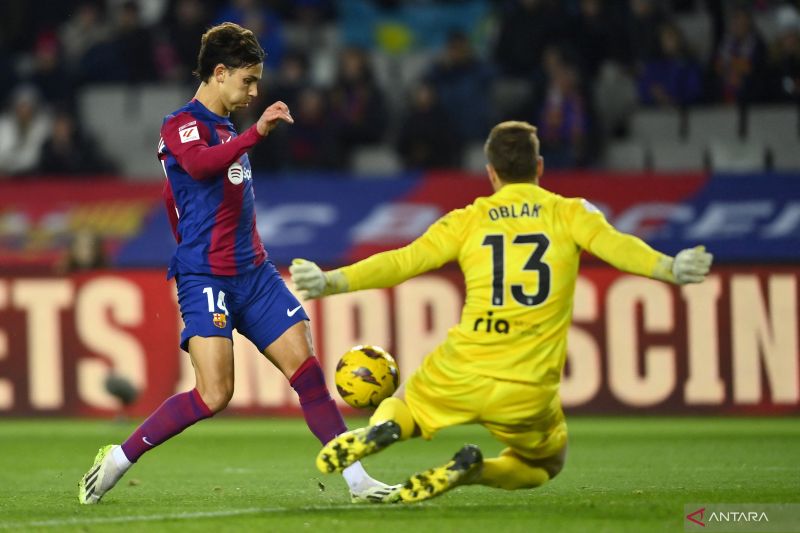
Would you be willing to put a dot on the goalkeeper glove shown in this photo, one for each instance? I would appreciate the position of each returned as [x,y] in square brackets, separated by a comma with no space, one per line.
[311,282]
[691,265]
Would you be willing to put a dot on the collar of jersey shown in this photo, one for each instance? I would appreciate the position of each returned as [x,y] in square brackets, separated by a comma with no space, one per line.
[203,109]
[513,186]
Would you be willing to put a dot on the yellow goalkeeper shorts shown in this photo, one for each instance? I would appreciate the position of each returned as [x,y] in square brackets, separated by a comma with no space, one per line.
[526,417]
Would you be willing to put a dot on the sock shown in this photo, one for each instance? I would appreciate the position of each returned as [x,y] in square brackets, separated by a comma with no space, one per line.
[322,416]
[173,416]
[510,472]
[355,475]
[120,459]
[395,409]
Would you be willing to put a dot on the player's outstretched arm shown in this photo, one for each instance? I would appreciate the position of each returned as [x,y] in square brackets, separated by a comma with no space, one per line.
[202,161]
[629,253]
[690,265]
[311,282]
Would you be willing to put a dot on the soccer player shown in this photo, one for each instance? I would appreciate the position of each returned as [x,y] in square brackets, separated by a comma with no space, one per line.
[223,277]
[500,367]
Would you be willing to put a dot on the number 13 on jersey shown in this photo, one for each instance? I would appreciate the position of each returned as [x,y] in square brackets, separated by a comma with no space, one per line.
[540,242]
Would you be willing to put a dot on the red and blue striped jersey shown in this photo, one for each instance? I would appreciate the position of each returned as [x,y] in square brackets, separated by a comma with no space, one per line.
[209,193]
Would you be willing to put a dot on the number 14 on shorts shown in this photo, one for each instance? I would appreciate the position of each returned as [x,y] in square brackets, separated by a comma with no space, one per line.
[209,292]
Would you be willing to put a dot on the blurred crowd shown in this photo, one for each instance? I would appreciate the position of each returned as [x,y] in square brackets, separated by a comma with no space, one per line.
[549,56]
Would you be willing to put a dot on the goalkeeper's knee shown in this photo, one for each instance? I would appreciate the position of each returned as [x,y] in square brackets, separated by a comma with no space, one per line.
[396,410]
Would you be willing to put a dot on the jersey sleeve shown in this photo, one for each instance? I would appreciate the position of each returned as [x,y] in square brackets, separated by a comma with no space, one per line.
[187,140]
[438,245]
[592,232]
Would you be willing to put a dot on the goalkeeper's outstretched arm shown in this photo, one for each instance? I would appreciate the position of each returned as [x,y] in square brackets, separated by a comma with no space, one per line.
[628,253]
[437,246]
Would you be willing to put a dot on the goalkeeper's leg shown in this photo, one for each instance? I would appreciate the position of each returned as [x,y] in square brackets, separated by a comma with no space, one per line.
[511,471]
[391,422]
[395,409]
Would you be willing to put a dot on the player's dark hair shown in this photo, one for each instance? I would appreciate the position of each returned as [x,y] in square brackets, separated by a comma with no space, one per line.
[229,44]
[513,150]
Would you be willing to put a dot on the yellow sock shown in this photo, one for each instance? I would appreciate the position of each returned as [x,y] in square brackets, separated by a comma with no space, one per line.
[510,472]
[397,410]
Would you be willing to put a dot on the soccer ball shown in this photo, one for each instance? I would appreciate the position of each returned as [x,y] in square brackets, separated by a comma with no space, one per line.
[366,375]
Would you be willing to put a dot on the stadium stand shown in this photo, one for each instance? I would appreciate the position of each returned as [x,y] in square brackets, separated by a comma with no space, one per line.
[402,50]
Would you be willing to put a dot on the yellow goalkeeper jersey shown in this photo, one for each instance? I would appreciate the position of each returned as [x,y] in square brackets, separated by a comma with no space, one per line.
[519,250]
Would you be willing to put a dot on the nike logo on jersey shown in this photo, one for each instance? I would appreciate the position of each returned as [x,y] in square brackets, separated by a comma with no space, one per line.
[291,312]
[147,441]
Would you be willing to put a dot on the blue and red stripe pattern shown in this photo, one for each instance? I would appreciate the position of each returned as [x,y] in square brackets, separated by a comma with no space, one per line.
[209,193]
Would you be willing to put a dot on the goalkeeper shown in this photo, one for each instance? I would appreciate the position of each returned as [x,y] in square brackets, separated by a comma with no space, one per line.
[501,365]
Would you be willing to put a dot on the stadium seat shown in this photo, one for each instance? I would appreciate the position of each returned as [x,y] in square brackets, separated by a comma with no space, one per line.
[322,67]
[656,125]
[396,75]
[157,100]
[626,155]
[475,158]
[376,161]
[677,156]
[413,67]
[696,28]
[126,121]
[387,76]
[767,24]
[777,127]
[101,107]
[508,98]
[614,96]
[737,156]
[773,123]
[304,37]
[785,155]
[714,122]
[110,114]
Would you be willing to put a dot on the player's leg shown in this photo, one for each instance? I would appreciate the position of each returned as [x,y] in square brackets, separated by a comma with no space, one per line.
[511,471]
[275,321]
[293,354]
[536,453]
[391,422]
[431,399]
[526,418]
[467,467]
[463,469]
[212,358]
[207,337]
[213,363]
[395,409]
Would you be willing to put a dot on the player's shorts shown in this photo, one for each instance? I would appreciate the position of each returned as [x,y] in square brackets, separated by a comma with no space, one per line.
[525,417]
[257,303]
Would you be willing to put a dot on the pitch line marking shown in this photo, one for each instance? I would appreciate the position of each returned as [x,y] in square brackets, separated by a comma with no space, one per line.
[191,516]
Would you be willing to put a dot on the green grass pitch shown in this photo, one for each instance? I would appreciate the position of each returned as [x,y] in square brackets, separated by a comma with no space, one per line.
[622,474]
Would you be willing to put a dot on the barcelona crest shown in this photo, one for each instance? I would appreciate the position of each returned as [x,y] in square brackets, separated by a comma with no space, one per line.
[220,320]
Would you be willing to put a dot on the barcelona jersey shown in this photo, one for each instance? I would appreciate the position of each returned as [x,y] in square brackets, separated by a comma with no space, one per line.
[209,193]
[519,250]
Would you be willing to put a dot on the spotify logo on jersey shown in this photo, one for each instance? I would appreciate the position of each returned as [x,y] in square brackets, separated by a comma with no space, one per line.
[237,173]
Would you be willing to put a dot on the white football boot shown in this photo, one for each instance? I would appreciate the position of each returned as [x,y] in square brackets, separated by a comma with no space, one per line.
[101,477]
[376,492]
